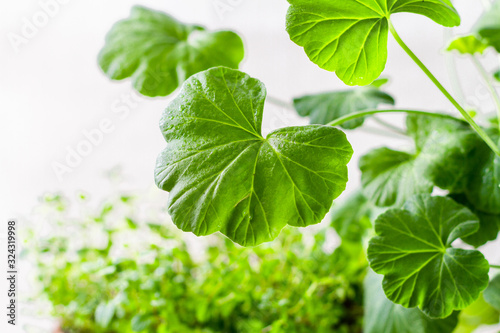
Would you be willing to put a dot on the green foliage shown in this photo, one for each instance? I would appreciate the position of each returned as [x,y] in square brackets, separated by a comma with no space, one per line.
[222,174]
[443,146]
[159,53]
[147,280]
[488,26]
[381,315]
[496,75]
[414,251]
[489,224]
[475,315]
[442,157]
[349,37]
[391,177]
[483,188]
[326,107]
[467,45]
[492,293]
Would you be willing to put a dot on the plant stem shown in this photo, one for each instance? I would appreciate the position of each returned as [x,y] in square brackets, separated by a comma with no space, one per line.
[355,115]
[487,6]
[451,66]
[389,126]
[381,132]
[445,92]
[280,103]
[495,266]
[488,82]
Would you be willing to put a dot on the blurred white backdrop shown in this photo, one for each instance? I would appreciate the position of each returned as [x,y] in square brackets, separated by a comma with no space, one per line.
[52,91]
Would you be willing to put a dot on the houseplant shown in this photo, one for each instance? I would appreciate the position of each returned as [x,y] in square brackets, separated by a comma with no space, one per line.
[223,175]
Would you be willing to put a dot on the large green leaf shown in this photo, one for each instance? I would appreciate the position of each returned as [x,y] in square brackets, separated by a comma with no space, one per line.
[483,189]
[467,45]
[349,37]
[496,75]
[222,174]
[326,107]
[492,293]
[160,53]
[391,177]
[443,147]
[441,158]
[488,223]
[413,250]
[488,26]
[383,316]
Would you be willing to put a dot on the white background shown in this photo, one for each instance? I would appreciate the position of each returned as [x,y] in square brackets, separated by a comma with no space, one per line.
[51,90]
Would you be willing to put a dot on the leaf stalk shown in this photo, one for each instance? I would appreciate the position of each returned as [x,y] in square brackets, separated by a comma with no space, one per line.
[280,103]
[360,114]
[389,126]
[489,84]
[445,92]
[451,66]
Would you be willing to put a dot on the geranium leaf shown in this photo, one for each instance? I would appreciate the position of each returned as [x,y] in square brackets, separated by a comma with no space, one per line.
[441,158]
[443,147]
[492,293]
[413,251]
[496,75]
[483,189]
[223,175]
[159,53]
[390,177]
[488,223]
[326,107]
[382,315]
[349,37]
[467,45]
[488,26]
[379,82]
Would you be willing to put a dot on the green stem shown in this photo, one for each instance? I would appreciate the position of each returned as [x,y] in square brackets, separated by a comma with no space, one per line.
[382,132]
[488,82]
[495,266]
[445,92]
[389,126]
[280,103]
[451,66]
[356,115]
